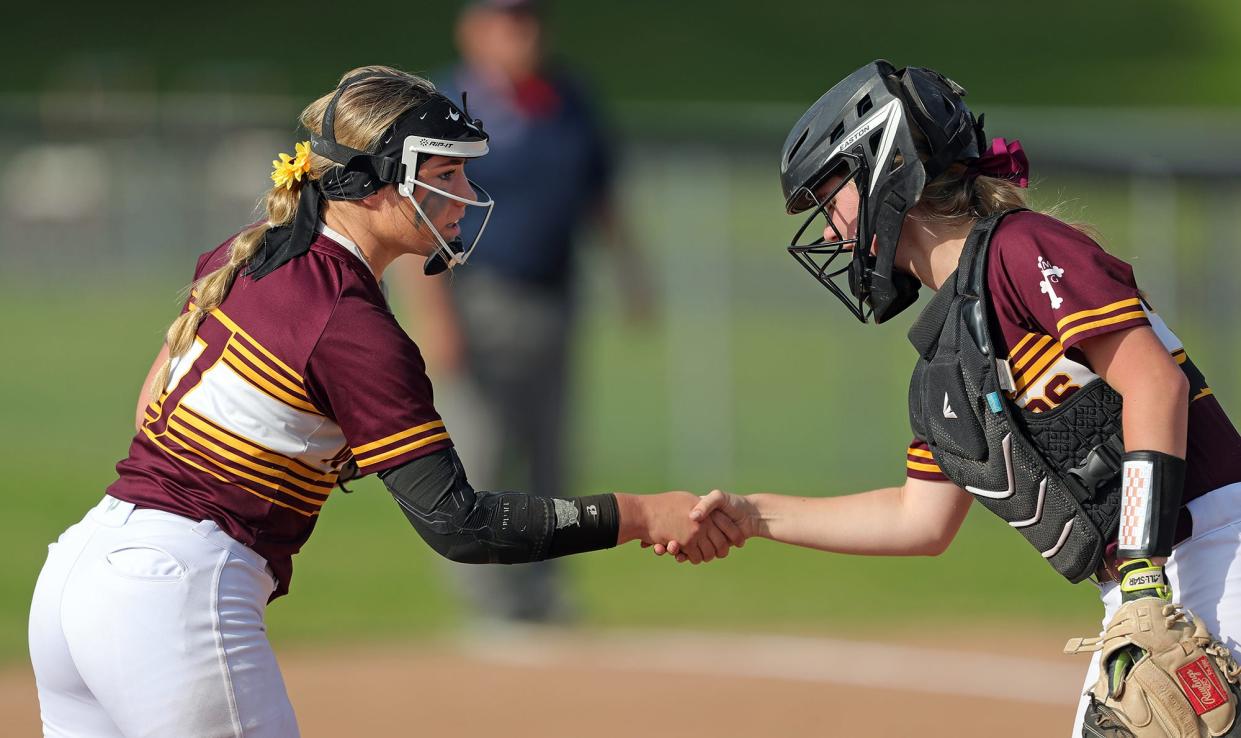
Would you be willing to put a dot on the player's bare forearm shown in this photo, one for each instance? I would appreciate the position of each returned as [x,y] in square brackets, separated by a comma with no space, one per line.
[894,521]
[918,519]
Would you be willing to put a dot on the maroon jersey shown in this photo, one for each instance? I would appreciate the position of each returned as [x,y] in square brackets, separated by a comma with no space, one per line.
[1051,287]
[289,378]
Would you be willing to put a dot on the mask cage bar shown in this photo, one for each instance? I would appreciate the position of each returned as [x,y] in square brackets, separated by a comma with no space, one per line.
[826,270]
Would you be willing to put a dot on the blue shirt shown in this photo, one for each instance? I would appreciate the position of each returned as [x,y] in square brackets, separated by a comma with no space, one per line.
[547,169]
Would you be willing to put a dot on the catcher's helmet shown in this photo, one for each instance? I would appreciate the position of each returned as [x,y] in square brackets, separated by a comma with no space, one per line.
[863,129]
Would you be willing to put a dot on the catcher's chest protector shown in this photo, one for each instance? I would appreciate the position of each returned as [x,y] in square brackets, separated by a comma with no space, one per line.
[1054,476]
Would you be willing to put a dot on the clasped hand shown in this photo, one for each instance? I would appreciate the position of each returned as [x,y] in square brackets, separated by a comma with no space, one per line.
[697,529]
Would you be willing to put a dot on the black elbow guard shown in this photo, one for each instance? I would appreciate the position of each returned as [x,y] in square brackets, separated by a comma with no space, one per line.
[1152,484]
[467,526]
[495,527]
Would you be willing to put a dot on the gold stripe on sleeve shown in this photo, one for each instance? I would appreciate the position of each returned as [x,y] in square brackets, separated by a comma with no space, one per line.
[1127,302]
[1136,314]
[920,452]
[400,450]
[918,466]
[398,436]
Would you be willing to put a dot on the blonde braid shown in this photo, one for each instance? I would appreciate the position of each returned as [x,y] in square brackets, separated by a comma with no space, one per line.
[207,292]
[365,110]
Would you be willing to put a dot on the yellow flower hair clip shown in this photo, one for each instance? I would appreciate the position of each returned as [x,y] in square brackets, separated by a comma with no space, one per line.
[287,168]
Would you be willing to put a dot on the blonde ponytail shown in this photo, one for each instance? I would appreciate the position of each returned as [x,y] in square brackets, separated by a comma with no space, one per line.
[365,110]
[208,291]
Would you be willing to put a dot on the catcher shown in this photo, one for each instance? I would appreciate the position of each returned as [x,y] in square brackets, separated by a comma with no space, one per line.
[1046,387]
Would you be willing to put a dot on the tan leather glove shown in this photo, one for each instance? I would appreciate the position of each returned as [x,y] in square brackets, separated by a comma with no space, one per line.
[1162,675]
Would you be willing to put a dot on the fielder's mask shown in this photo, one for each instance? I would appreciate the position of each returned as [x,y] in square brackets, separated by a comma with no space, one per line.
[862,130]
[434,127]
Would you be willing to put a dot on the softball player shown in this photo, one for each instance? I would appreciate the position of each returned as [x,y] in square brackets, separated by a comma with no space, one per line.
[285,375]
[899,181]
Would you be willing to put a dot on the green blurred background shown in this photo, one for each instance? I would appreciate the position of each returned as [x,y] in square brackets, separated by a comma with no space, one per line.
[137,138]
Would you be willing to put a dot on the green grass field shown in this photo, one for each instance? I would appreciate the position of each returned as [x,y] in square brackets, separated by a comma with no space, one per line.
[69,392]
[807,417]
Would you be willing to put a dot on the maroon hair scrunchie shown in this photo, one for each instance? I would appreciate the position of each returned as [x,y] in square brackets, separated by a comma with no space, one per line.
[1004,160]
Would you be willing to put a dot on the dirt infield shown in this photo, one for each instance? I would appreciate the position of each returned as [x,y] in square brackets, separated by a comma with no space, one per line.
[614,684]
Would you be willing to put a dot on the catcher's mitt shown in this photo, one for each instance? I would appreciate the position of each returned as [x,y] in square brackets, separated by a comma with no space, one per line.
[1162,675]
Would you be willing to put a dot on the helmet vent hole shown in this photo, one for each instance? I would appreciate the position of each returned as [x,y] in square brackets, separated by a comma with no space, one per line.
[800,140]
[837,132]
[873,142]
[896,162]
[864,105]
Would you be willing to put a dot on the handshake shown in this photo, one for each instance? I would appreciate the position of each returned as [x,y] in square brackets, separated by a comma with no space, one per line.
[688,527]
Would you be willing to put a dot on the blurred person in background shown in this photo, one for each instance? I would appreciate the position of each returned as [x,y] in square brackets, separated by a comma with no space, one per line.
[285,374]
[498,336]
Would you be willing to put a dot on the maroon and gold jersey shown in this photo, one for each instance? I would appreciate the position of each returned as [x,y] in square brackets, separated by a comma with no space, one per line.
[289,378]
[1051,287]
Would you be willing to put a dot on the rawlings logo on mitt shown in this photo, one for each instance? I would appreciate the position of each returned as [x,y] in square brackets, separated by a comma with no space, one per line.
[1162,675]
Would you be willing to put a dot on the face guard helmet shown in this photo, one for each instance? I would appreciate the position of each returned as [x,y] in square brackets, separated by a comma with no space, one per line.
[864,130]
[436,127]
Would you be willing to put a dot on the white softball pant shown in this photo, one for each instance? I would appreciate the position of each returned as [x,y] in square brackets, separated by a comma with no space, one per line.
[145,624]
[1204,572]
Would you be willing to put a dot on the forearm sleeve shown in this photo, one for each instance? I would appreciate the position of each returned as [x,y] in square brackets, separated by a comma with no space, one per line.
[495,527]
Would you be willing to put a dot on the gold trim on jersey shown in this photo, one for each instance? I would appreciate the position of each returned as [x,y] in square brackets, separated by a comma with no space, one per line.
[1035,371]
[232,326]
[389,440]
[261,381]
[1206,392]
[919,466]
[920,452]
[1021,345]
[180,433]
[365,460]
[1136,314]
[181,429]
[284,382]
[1074,317]
[188,443]
[1019,363]
[170,452]
[248,447]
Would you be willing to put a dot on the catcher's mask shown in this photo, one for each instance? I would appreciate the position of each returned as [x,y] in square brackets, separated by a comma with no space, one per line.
[434,127]
[863,130]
